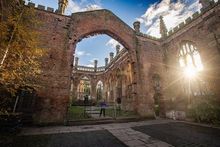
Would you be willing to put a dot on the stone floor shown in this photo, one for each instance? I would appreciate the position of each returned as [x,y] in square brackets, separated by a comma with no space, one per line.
[152,133]
[181,134]
[99,138]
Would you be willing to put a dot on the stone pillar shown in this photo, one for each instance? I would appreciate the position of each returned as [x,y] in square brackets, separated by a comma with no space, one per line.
[111,56]
[106,62]
[93,89]
[76,61]
[205,3]
[62,4]
[117,49]
[136,25]
[95,65]
[163,28]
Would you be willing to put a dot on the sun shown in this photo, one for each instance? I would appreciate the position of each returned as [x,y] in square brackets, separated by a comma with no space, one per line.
[190,72]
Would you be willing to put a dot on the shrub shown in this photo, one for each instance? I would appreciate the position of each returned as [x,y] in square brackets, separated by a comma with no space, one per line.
[205,109]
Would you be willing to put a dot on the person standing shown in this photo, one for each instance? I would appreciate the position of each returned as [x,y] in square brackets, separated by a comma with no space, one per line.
[103,106]
[118,106]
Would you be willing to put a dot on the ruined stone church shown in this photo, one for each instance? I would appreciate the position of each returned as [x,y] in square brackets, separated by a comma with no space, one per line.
[147,72]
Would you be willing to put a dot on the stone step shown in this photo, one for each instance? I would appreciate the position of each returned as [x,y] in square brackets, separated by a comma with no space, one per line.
[93,112]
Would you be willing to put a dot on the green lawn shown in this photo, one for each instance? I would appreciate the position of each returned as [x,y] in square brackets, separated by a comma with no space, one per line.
[77,113]
[122,113]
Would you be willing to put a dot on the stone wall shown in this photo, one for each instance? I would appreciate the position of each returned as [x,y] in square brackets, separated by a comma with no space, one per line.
[53,94]
[59,35]
[204,31]
[147,56]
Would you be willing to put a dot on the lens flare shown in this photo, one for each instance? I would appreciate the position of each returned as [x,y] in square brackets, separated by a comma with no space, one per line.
[190,72]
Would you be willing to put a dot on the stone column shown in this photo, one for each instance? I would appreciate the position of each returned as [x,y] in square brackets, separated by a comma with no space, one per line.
[205,3]
[106,62]
[136,25]
[93,89]
[111,56]
[117,49]
[76,61]
[62,4]
[163,28]
[95,65]
[75,83]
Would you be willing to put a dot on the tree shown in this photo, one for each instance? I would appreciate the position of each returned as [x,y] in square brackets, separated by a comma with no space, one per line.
[19,53]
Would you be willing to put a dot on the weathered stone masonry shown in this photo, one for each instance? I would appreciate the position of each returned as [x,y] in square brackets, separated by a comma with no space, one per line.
[147,56]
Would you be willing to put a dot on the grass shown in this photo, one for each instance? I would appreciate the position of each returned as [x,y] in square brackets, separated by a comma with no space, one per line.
[122,113]
[111,112]
[77,113]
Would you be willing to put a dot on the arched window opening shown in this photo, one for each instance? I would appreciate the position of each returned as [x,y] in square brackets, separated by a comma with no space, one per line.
[190,60]
[84,88]
[191,66]
[99,90]
[118,85]
[97,51]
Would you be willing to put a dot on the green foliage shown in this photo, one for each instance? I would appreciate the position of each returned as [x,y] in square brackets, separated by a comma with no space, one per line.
[21,66]
[77,113]
[205,109]
[111,112]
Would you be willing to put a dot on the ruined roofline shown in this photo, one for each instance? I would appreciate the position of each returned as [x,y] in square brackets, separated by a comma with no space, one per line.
[147,36]
[107,12]
[191,19]
[173,31]
[44,8]
[102,69]
[183,24]
[51,10]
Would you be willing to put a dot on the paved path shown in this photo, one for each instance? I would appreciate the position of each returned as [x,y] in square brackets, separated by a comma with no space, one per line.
[100,138]
[134,138]
[182,134]
[139,134]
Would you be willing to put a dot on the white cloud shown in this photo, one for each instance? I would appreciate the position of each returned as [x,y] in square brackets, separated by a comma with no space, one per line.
[82,53]
[79,53]
[174,12]
[112,43]
[92,7]
[83,5]
[72,7]
[91,62]
[90,65]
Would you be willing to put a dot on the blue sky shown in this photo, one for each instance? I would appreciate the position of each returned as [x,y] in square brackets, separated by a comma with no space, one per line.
[145,11]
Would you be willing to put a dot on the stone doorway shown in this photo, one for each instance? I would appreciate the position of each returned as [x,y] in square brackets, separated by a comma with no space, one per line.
[54,98]
[94,82]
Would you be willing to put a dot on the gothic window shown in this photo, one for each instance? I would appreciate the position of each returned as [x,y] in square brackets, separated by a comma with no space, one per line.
[192,67]
[84,87]
[99,90]
[189,59]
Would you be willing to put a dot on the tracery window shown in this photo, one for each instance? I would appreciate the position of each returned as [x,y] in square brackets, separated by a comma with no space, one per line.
[191,67]
[189,59]
[99,90]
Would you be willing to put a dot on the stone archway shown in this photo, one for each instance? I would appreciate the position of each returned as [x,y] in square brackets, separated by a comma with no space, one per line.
[83,88]
[85,24]
[99,90]
[54,104]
